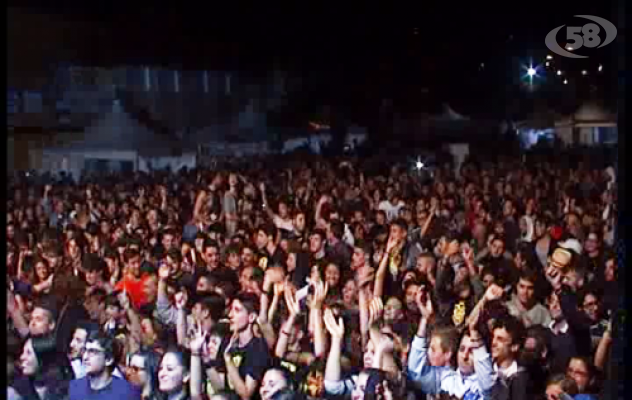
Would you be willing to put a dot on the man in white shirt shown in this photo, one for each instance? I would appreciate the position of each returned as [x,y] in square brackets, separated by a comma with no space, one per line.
[391,205]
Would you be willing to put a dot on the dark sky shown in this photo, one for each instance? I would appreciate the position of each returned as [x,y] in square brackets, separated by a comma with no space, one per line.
[393,51]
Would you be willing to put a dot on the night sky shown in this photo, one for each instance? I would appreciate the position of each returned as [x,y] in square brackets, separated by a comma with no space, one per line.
[354,55]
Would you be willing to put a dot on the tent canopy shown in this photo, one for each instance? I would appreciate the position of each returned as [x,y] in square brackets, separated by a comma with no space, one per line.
[593,112]
[119,131]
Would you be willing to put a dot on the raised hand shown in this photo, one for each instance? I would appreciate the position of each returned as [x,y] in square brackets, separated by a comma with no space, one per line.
[494,292]
[231,344]
[385,344]
[391,244]
[336,329]
[292,304]
[164,271]
[181,300]
[376,309]
[199,337]
[554,276]
[320,293]
[365,276]
[424,303]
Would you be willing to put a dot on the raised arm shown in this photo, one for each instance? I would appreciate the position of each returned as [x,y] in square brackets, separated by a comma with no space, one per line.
[333,382]
[603,349]
[382,269]
[181,323]
[134,339]
[293,309]
[196,384]
[167,313]
[316,310]
[19,322]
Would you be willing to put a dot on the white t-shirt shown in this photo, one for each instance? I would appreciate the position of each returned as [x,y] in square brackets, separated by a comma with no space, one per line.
[391,210]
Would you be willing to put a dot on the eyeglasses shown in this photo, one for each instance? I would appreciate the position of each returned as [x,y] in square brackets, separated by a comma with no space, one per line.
[94,352]
[573,371]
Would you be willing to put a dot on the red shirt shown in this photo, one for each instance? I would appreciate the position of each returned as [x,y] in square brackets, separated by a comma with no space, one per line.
[134,289]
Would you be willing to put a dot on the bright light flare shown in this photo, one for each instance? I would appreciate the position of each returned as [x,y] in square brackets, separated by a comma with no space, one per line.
[549,57]
[559,72]
[566,81]
[531,72]
[419,165]
[600,68]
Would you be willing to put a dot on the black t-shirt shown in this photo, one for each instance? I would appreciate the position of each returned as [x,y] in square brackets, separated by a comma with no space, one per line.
[252,360]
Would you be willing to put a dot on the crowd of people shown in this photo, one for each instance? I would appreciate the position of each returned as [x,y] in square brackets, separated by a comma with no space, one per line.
[314,280]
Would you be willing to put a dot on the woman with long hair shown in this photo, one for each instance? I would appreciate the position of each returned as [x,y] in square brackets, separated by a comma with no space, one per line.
[174,375]
[44,374]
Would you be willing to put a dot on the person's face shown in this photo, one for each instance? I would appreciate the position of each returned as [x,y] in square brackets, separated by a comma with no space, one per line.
[424,265]
[508,209]
[357,258]
[150,288]
[540,229]
[136,373]
[133,266]
[497,248]
[501,345]
[437,356]
[203,285]
[93,277]
[273,381]
[591,307]
[233,260]
[261,239]
[283,211]
[592,243]
[94,359]
[299,222]
[73,249]
[360,387]
[525,290]
[369,354]
[113,312]
[239,317]
[553,303]
[350,292]
[232,180]
[578,372]
[572,280]
[171,375]
[464,356]
[94,308]
[211,254]
[167,241]
[610,270]
[397,233]
[41,322]
[245,278]
[247,256]
[315,243]
[28,360]
[393,310]
[332,275]
[411,293]
[380,218]
[78,343]
[422,217]
[41,270]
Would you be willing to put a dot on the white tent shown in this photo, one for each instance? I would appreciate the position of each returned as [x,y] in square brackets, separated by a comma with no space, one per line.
[117,142]
[590,124]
